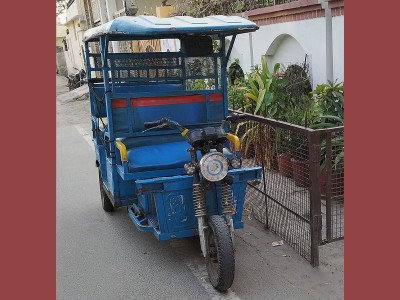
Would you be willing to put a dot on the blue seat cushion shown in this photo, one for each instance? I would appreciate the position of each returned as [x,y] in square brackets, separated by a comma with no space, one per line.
[162,156]
[158,157]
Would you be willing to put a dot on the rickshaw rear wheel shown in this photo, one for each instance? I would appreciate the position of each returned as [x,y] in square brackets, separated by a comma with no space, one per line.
[220,259]
[105,200]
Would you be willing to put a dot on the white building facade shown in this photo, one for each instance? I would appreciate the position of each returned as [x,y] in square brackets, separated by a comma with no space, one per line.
[76,26]
[311,30]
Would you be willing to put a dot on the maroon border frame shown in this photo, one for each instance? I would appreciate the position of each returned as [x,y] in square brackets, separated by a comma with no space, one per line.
[372,261]
[28,215]
[28,222]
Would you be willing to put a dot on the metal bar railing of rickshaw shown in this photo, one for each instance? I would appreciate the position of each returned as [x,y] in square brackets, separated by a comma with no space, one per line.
[107,90]
[147,79]
[166,94]
[224,63]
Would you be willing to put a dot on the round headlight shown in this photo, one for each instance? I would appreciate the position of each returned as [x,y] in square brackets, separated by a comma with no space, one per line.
[214,166]
[236,162]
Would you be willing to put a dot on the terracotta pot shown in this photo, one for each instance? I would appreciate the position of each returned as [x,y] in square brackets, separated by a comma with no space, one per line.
[285,165]
[301,174]
[337,186]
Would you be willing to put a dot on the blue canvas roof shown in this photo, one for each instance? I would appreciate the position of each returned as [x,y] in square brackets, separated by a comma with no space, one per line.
[152,26]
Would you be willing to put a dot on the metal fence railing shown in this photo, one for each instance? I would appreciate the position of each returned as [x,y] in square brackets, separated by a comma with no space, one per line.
[265,3]
[296,197]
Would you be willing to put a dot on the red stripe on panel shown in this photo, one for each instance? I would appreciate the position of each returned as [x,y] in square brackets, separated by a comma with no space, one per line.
[119,103]
[216,97]
[170,100]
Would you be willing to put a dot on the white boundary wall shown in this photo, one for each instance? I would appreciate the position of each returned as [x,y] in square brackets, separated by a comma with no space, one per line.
[338,47]
[288,43]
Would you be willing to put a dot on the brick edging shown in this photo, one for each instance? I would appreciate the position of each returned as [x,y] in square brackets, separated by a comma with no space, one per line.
[287,12]
[336,6]
[293,11]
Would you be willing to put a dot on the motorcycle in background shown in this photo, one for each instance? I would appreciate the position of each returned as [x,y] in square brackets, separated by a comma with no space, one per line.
[76,80]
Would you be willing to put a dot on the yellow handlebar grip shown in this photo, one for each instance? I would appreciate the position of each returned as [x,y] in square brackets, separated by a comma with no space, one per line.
[122,150]
[183,133]
[235,140]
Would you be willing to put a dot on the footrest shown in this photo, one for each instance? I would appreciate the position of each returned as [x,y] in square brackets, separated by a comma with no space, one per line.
[140,223]
[153,221]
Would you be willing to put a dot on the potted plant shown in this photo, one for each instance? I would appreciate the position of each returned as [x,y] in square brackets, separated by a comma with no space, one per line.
[293,91]
[299,160]
[285,164]
[330,104]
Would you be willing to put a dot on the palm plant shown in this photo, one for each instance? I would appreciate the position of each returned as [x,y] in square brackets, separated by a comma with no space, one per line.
[260,100]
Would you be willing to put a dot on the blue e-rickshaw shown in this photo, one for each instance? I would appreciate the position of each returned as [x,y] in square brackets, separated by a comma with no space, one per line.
[160,127]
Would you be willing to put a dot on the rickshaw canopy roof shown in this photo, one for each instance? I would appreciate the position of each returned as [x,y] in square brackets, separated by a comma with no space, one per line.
[150,26]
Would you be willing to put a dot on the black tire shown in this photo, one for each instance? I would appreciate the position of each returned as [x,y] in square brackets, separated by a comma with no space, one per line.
[79,84]
[220,259]
[105,200]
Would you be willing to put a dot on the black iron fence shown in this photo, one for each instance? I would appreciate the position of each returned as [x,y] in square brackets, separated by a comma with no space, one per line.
[297,198]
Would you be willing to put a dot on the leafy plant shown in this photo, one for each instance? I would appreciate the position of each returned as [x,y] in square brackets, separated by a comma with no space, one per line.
[260,100]
[330,104]
[330,107]
[235,72]
[294,95]
[260,95]
[196,8]
[236,98]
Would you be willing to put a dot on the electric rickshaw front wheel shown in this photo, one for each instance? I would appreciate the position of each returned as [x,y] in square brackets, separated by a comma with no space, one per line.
[105,200]
[220,259]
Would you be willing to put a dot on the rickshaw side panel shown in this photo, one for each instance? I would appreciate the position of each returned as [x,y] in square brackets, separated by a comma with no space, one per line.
[129,114]
[97,108]
[123,191]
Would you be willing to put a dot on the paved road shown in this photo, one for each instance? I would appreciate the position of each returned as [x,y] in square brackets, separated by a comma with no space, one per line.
[102,256]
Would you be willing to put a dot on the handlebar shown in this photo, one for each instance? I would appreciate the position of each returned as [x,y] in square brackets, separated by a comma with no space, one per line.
[234,117]
[149,125]
[166,122]
[163,123]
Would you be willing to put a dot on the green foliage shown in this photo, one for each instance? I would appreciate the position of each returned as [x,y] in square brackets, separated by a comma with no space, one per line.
[330,104]
[61,6]
[201,68]
[283,94]
[294,95]
[200,84]
[202,8]
[329,99]
[235,72]
[236,98]
[260,96]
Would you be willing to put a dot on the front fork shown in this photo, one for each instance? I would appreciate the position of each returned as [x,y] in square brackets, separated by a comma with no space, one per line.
[200,209]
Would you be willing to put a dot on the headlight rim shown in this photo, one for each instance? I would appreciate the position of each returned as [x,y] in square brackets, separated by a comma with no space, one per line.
[205,163]
[238,159]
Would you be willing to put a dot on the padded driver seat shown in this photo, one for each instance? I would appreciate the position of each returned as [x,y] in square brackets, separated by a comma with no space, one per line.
[158,157]
[161,156]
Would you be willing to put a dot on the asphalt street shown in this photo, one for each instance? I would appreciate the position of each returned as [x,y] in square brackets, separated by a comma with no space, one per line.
[102,256]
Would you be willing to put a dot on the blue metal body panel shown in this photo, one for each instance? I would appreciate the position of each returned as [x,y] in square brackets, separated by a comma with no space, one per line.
[171,199]
[152,183]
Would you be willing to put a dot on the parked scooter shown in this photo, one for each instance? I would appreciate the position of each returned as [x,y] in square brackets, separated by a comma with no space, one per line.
[76,80]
